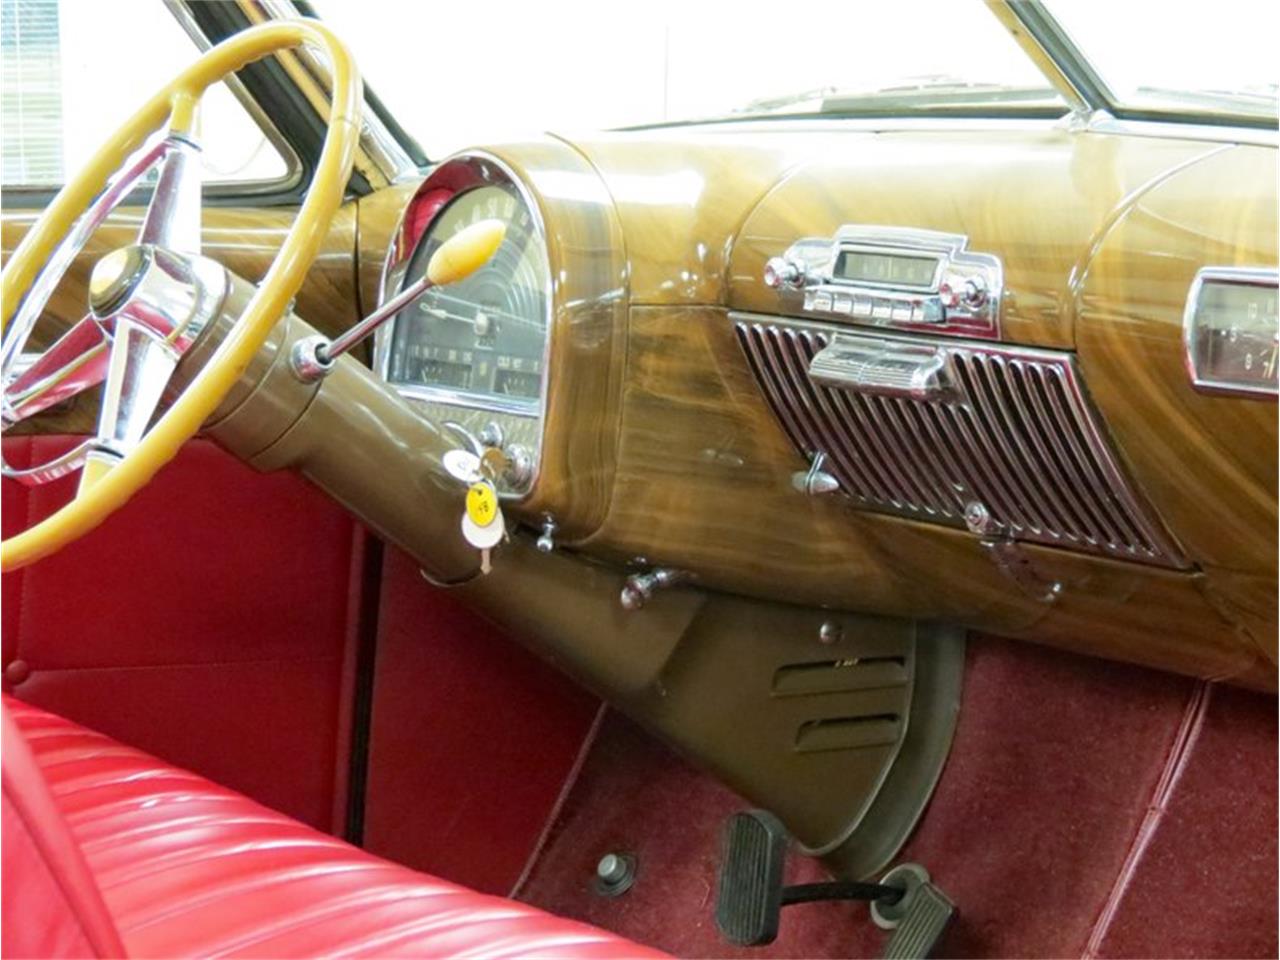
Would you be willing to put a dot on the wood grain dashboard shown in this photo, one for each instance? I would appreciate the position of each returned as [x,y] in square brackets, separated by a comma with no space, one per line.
[1100,237]
[662,449]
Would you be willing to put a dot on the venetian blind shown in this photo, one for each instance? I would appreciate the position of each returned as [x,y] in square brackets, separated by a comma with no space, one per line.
[31,97]
[74,70]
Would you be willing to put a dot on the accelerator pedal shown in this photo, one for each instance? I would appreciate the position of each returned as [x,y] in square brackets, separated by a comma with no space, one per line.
[919,919]
[751,896]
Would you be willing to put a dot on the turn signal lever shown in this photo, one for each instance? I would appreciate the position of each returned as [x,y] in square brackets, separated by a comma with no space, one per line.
[458,257]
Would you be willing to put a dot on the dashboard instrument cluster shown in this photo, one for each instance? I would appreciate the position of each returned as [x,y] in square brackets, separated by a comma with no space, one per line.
[896,399]
[1232,331]
[475,352]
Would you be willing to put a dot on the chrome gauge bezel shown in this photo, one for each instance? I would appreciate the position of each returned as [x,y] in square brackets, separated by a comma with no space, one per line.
[458,175]
[1240,276]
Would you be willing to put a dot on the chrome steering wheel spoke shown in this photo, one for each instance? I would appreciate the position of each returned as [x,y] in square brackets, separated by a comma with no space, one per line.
[24,319]
[164,295]
[76,362]
[141,362]
[172,220]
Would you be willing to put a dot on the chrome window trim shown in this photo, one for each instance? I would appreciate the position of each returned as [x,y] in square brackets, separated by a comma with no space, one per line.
[1050,46]
[377,142]
[1101,122]
[1053,51]
[1241,276]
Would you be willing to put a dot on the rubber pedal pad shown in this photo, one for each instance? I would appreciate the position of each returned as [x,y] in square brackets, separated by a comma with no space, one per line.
[749,899]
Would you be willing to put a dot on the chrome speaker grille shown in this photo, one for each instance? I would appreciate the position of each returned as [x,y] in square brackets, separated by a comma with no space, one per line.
[1013,431]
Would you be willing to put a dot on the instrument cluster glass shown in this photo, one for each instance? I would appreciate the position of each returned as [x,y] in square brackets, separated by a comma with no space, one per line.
[1233,331]
[481,341]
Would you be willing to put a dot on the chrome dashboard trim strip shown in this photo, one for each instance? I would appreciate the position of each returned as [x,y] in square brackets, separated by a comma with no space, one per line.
[1013,433]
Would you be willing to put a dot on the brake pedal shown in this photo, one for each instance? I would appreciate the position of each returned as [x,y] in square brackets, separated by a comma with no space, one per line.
[751,896]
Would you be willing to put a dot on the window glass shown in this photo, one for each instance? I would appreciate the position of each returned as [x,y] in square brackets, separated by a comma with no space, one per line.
[1185,58]
[74,70]
[574,65]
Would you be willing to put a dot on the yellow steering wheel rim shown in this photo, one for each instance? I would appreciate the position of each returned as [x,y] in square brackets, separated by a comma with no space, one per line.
[102,494]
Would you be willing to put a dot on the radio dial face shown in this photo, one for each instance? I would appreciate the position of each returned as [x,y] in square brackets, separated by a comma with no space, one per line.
[891,277]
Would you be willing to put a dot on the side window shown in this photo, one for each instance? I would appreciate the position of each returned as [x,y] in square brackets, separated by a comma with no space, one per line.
[73,71]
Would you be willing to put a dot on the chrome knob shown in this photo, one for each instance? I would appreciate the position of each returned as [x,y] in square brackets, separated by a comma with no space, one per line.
[635,593]
[546,541]
[639,587]
[975,292]
[491,434]
[978,518]
[815,481]
[783,272]
[970,292]
[519,469]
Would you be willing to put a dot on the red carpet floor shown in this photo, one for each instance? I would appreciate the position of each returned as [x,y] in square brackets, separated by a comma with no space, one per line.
[1088,808]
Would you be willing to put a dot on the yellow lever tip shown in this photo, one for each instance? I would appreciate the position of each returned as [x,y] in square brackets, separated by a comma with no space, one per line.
[466,251]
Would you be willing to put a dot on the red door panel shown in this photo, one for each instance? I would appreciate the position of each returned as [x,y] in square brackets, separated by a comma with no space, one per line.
[210,621]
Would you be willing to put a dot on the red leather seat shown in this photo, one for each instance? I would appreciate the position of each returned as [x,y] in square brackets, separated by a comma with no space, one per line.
[108,851]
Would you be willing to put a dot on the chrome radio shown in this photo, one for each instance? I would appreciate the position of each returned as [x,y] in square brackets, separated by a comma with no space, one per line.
[896,277]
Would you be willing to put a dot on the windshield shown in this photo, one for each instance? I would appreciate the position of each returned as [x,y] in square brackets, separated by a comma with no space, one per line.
[1203,58]
[455,81]
[573,66]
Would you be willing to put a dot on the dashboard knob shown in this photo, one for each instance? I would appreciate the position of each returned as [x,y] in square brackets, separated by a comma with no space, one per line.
[466,252]
[970,292]
[546,541]
[519,469]
[639,587]
[783,272]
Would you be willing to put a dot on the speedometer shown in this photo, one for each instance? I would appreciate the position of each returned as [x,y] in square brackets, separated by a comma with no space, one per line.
[482,341]
[508,358]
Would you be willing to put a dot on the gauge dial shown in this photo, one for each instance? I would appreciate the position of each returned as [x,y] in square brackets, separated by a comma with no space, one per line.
[482,339]
[1233,331]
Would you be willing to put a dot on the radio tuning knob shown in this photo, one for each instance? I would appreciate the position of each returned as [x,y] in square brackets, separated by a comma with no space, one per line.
[783,272]
[975,292]
[968,292]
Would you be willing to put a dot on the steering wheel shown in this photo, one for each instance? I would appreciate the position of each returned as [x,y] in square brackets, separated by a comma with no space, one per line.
[149,301]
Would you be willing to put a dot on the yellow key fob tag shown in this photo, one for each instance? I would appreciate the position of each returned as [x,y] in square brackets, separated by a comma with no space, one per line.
[482,504]
[482,524]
